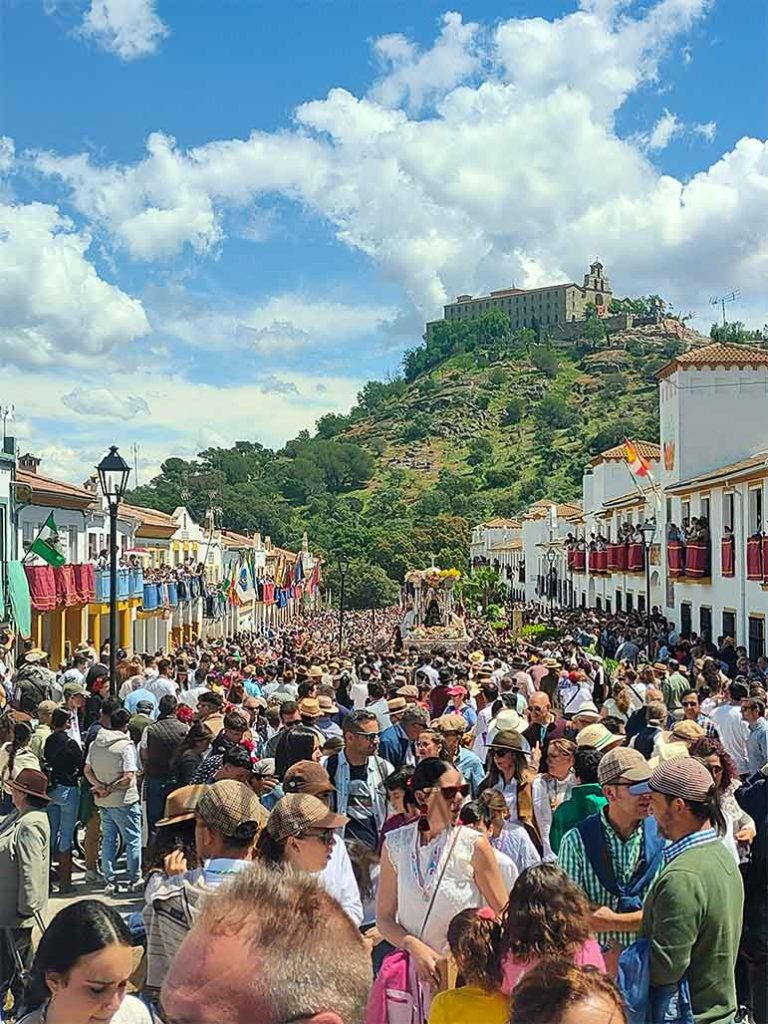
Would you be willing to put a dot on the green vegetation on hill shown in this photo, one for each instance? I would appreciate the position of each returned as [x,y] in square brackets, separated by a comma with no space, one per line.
[482,422]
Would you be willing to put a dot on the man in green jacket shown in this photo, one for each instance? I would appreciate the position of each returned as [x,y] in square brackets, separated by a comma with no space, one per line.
[586,798]
[692,914]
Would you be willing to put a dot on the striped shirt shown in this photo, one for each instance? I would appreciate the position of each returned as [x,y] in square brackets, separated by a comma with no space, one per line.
[624,854]
[706,835]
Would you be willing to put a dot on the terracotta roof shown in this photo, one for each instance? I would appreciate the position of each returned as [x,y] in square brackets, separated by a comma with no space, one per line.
[152,522]
[716,354]
[53,492]
[628,499]
[648,449]
[510,545]
[236,540]
[753,463]
[564,510]
[501,523]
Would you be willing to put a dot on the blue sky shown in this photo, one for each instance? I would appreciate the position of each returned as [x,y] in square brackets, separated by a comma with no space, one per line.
[218,220]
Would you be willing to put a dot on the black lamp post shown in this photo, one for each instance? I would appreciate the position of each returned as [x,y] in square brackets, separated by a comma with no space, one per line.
[648,531]
[113,473]
[551,581]
[343,563]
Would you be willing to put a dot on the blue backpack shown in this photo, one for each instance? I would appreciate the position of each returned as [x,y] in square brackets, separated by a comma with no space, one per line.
[663,1004]
[630,895]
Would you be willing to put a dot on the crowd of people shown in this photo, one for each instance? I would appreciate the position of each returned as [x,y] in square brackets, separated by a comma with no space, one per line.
[507,832]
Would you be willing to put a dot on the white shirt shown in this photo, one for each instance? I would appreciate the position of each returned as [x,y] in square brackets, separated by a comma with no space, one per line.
[73,729]
[733,732]
[508,869]
[480,746]
[161,686]
[359,694]
[338,880]
[431,673]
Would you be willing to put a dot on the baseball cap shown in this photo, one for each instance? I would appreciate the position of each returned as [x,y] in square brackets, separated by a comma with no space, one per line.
[622,765]
[296,812]
[74,690]
[307,777]
[683,776]
[227,805]
[456,691]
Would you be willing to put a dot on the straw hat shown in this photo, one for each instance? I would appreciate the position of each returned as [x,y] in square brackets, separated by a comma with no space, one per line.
[180,805]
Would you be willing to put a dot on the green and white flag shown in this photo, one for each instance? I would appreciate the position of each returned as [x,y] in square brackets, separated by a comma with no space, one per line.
[46,543]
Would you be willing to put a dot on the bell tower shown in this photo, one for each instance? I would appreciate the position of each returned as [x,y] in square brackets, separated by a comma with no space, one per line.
[597,288]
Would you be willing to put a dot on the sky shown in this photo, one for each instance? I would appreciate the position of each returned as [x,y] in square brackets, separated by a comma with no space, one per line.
[219,219]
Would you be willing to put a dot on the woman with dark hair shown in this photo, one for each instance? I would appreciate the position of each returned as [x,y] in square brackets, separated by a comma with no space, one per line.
[15,755]
[396,786]
[81,970]
[432,868]
[190,753]
[741,828]
[557,992]
[547,916]
[64,757]
[510,774]
[301,743]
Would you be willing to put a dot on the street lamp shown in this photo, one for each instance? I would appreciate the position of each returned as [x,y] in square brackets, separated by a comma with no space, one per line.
[648,531]
[343,563]
[113,473]
[551,578]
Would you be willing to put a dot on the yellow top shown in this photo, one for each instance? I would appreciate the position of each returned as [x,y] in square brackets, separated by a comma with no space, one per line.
[469,1005]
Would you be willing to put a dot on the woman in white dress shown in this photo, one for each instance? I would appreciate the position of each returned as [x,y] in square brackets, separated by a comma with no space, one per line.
[432,868]
[81,970]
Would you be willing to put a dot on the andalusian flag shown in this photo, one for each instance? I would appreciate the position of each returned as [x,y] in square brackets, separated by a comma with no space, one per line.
[46,543]
[637,464]
[298,571]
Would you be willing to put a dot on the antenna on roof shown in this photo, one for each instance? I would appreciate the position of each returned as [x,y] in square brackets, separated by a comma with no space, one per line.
[722,300]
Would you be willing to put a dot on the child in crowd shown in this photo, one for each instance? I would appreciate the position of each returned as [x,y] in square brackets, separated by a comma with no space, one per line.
[473,941]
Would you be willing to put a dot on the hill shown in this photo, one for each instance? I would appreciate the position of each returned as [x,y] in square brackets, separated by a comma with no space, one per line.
[483,421]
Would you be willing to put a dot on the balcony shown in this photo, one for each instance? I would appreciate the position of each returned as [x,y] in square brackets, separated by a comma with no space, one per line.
[129,582]
[689,562]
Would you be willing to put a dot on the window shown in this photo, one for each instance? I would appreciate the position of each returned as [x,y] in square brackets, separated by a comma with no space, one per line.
[28,531]
[641,603]
[608,606]
[685,618]
[705,623]
[756,637]
[685,510]
[599,603]
[728,499]
[704,508]
[618,600]
[755,509]
[729,624]
[93,547]
[630,605]
[72,555]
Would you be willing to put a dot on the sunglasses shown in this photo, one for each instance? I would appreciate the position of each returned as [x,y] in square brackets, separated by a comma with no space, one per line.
[690,703]
[451,792]
[325,835]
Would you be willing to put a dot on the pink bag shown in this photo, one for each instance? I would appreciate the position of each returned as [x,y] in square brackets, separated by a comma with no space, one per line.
[396,994]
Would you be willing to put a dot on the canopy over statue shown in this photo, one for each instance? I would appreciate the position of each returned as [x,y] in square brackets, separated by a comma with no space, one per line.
[429,618]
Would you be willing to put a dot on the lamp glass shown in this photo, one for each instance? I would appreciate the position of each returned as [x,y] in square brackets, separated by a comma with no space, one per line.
[113,473]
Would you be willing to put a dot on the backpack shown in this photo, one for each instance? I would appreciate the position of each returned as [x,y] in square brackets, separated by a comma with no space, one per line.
[645,1004]
[630,895]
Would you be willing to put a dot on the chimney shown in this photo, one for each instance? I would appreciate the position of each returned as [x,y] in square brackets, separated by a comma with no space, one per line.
[29,462]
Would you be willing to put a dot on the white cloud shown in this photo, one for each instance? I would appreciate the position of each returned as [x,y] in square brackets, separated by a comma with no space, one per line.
[707,131]
[7,154]
[104,403]
[282,324]
[186,416]
[413,78]
[54,307]
[519,176]
[667,128]
[127,28]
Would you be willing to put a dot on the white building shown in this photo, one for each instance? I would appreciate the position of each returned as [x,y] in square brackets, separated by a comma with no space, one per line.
[712,465]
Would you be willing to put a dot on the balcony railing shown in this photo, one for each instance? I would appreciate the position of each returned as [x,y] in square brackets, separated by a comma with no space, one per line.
[130,583]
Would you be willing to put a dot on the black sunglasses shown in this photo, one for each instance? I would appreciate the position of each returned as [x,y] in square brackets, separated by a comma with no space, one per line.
[451,792]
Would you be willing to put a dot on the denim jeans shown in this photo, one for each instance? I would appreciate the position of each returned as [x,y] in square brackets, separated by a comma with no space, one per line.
[125,821]
[155,792]
[62,816]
